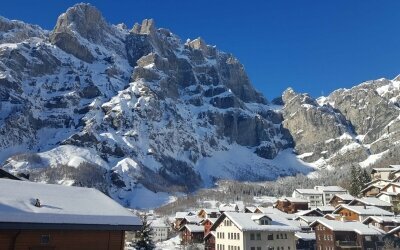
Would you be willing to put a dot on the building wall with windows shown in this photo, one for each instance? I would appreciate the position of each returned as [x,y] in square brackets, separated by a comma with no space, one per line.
[230,237]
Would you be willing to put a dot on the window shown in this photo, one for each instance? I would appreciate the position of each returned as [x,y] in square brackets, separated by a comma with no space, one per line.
[45,239]
[252,248]
[238,237]
[277,236]
[286,237]
[258,236]
[281,236]
[252,237]
[258,248]
[270,237]
[229,236]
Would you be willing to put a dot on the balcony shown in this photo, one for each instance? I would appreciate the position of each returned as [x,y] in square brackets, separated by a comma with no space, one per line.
[347,244]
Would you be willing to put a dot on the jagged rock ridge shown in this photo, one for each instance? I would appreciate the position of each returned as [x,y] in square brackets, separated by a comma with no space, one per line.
[132,111]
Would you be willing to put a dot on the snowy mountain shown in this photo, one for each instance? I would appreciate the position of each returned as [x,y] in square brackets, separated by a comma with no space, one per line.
[139,113]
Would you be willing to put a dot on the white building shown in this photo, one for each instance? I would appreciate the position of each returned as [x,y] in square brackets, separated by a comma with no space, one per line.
[314,197]
[161,230]
[329,191]
[320,195]
[247,231]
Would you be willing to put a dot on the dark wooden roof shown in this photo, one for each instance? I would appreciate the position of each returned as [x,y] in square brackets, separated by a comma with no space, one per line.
[7,175]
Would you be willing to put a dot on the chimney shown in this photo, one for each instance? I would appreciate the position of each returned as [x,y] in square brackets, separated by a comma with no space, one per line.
[37,203]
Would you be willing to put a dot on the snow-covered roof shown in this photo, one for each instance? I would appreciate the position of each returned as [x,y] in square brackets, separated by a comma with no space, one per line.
[193,228]
[330,189]
[370,201]
[326,208]
[308,191]
[293,200]
[193,219]
[306,236]
[348,226]
[345,197]
[272,210]
[209,210]
[181,215]
[246,222]
[382,219]
[386,193]
[308,219]
[384,169]
[365,210]
[305,212]
[228,207]
[251,209]
[395,166]
[69,206]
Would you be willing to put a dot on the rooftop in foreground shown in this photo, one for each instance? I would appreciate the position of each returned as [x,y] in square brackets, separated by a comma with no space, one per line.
[61,207]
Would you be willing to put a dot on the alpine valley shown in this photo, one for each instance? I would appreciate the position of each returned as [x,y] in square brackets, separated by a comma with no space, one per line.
[142,115]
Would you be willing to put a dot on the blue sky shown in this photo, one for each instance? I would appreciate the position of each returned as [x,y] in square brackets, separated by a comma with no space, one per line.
[312,46]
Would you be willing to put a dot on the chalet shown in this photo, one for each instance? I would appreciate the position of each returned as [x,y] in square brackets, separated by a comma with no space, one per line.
[359,213]
[209,241]
[392,198]
[304,222]
[371,190]
[331,234]
[384,173]
[314,197]
[385,223]
[208,213]
[329,191]
[305,240]
[246,231]
[6,175]
[191,234]
[371,201]
[291,205]
[339,199]
[43,216]
[179,216]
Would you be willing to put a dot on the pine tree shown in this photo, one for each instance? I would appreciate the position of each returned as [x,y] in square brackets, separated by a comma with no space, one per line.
[365,177]
[355,187]
[145,235]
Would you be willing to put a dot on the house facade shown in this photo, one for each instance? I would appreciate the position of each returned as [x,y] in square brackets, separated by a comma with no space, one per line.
[291,205]
[191,234]
[245,231]
[329,191]
[332,234]
[339,199]
[359,213]
[314,197]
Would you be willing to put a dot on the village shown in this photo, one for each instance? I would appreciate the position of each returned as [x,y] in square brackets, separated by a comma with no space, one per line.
[325,217]
[45,216]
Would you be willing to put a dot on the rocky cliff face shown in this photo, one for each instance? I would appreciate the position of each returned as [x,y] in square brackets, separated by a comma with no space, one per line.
[131,110]
[137,111]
